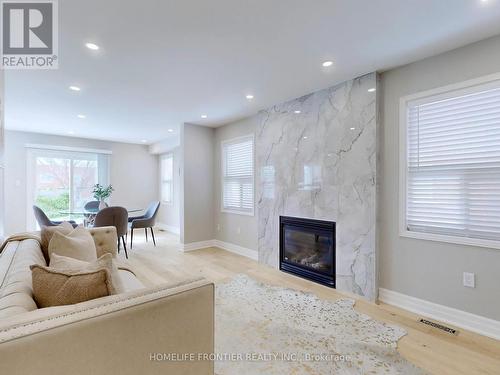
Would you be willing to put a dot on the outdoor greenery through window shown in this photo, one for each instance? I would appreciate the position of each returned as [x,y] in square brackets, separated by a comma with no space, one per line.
[61,182]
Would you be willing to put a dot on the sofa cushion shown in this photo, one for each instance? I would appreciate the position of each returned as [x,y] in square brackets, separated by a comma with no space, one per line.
[55,288]
[47,233]
[16,290]
[67,264]
[78,244]
[105,240]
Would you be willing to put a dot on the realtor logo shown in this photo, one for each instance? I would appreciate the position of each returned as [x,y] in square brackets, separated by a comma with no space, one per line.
[29,34]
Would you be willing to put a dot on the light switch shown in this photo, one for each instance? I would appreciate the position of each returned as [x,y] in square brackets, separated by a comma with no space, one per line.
[469,280]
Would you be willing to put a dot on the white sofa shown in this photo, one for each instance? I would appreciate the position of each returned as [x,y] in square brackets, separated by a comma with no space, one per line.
[121,334]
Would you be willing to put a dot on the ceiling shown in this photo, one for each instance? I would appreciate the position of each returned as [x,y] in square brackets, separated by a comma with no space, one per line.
[164,62]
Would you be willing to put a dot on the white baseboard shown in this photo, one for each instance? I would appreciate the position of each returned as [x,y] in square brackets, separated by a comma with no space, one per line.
[169,228]
[240,250]
[197,245]
[474,323]
[236,249]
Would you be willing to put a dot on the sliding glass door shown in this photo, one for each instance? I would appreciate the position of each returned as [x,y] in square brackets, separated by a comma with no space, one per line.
[61,182]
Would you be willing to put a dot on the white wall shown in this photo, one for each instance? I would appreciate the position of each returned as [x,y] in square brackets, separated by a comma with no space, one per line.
[197,184]
[425,269]
[2,140]
[133,173]
[169,214]
[236,229]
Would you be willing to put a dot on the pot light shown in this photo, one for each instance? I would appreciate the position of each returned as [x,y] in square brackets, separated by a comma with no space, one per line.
[352,128]
[74,88]
[71,132]
[92,46]
[326,64]
[297,112]
[204,116]
[373,89]
[81,116]
[304,137]
[144,140]
[170,130]
[249,96]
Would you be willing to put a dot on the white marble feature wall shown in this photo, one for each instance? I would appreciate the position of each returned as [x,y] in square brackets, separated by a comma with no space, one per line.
[316,158]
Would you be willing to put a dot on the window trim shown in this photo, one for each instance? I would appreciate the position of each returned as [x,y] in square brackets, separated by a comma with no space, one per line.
[441,93]
[167,155]
[222,176]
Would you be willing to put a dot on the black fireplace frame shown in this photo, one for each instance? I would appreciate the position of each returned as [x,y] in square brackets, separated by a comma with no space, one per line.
[303,223]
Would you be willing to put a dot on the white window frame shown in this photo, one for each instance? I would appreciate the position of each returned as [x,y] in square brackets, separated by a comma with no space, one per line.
[163,180]
[438,93]
[223,171]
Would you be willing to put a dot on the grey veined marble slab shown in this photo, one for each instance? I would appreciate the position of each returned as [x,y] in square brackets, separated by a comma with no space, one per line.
[316,158]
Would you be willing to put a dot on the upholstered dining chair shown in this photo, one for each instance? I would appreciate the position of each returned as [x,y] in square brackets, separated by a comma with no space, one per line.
[145,221]
[116,217]
[44,221]
[93,206]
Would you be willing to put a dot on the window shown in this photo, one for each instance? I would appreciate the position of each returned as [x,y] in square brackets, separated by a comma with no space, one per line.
[167,178]
[60,181]
[451,176]
[238,176]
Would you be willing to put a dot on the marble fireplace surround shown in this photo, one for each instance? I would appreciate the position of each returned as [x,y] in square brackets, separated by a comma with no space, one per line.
[316,158]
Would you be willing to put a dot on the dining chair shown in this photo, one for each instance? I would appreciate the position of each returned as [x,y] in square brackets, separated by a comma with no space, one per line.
[116,217]
[144,221]
[92,207]
[44,221]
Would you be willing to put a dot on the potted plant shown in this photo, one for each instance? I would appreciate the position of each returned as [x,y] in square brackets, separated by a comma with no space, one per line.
[101,193]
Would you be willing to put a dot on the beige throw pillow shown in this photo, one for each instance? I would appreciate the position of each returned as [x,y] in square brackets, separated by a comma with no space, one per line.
[47,233]
[72,265]
[56,288]
[78,244]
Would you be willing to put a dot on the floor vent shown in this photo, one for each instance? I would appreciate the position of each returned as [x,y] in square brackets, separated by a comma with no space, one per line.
[439,326]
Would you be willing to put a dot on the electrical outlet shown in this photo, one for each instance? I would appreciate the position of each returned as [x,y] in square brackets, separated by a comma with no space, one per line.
[469,279]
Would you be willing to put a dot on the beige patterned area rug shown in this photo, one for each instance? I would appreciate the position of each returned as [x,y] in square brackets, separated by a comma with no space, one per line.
[262,329]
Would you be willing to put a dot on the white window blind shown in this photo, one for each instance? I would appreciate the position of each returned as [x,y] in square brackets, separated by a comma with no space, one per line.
[453,164]
[167,178]
[238,176]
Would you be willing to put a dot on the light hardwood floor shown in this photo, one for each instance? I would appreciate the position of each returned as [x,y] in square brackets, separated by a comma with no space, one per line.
[435,351]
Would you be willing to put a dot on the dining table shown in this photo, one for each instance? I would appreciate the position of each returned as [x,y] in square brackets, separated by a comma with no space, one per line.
[90,214]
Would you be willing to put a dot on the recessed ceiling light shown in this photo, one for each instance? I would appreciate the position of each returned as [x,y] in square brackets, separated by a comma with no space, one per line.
[353,128]
[74,88]
[305,137]
[170,130]
[373,89]
[297,112]
[92,46]
[81,116]
[204,116]
[71,132]
[326,64]
[144,140]
[249,96]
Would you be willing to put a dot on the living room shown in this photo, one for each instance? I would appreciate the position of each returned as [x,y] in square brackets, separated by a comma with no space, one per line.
[254,188]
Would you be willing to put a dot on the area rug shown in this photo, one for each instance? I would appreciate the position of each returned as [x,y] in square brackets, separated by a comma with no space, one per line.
[263,329]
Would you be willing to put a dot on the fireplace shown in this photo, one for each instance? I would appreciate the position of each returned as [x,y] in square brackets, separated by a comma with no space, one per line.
[307,249]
